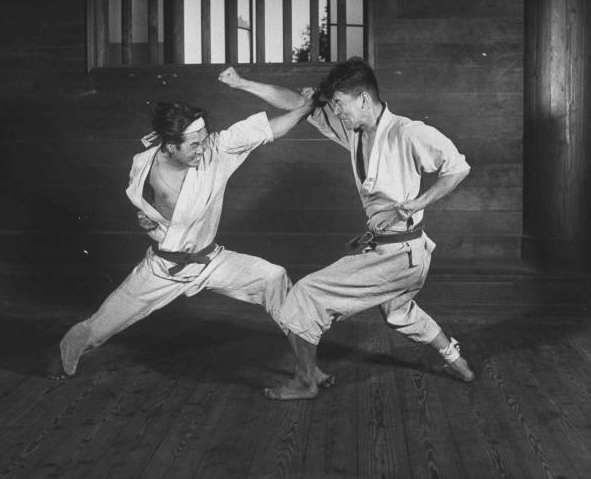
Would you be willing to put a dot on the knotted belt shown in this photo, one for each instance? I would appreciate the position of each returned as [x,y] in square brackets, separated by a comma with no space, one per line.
[182,259]
[368,240]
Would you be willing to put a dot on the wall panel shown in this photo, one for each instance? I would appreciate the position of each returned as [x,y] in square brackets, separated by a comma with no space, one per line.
[458,66]
[67,138]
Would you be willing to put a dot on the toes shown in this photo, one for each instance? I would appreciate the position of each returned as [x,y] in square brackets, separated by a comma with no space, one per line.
[55,370]
[327,382]
[268,393]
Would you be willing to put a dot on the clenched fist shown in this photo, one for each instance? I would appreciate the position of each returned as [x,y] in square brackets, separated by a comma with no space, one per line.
[230,77]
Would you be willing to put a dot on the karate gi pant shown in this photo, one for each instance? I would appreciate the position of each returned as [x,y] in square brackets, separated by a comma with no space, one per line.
[388,277]
[149,287]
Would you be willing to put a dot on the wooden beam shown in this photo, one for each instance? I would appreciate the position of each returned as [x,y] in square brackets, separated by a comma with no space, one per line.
[102,33]
[205,31]
[96,34]
[174,32]
[314,31]
[368,31]
[260,31]
[153,32]
[341,30]
[126,33]
[231,31]
[287,27]
[557,124]
[91,58]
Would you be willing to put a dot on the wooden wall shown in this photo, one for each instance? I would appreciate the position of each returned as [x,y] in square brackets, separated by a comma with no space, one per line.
[67,138]
[457,65]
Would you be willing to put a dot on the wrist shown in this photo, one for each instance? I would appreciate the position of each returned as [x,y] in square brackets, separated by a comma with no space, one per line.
[415,205]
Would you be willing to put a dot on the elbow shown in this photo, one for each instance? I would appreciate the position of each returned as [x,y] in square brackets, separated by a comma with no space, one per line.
[464,175]
[460,176]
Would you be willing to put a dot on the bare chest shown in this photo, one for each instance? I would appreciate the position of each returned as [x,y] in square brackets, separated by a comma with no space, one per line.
[166,185]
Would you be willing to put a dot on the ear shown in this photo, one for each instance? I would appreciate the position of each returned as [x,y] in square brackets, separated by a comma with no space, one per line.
[169,147]
[366,99]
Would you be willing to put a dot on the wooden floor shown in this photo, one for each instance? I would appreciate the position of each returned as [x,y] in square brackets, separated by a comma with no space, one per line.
[177,395]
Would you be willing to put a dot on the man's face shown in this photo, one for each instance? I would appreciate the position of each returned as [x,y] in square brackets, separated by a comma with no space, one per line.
[348,107]
[190,152]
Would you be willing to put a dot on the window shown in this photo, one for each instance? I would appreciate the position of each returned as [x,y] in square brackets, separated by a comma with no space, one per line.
[156,32]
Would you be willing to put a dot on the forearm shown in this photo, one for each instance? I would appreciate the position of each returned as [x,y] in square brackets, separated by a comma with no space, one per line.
[383,216]
[282,124]
[277,96]
[441,188]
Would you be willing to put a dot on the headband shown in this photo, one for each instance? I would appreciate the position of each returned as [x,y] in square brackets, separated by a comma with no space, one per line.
[153,138]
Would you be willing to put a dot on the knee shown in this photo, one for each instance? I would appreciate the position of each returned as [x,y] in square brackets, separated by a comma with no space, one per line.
[277,281]
[399,317]
[276,274]
[305,285]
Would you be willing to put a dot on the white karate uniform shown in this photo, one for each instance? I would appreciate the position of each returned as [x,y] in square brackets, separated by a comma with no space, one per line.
[392,274]
[193,226]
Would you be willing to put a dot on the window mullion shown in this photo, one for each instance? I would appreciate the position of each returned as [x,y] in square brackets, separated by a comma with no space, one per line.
[206,31]
[314,31]
[368,35]
[287,47]
[126,37]
[251,25]
[97,37]
[174,35]
[260,31]
[232,31]
[341,30]
[153,32]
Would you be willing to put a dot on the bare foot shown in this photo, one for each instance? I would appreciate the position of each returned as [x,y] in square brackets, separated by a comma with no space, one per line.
[460,370]
[291,390]
[324,380]
[55,369]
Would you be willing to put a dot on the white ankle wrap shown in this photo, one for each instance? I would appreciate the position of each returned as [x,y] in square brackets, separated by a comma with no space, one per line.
[452,352]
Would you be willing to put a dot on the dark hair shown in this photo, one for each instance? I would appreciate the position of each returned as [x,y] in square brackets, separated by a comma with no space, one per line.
[171,119]
[352,76]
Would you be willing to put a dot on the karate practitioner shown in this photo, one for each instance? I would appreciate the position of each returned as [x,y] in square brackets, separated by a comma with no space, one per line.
[177,185]
[391,260]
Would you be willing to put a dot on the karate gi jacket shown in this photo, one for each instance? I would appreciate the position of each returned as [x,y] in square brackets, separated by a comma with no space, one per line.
[403,150]
[197,213]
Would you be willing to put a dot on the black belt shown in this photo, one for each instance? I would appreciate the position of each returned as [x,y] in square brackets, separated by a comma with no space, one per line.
[182,259]
[368,240]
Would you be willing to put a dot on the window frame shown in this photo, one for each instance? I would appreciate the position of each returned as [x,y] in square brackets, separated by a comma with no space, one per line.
[97,35]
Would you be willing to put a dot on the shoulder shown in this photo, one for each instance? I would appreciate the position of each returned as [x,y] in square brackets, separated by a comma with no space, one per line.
[415,131]
[400,127]
[140,160]
[145,155]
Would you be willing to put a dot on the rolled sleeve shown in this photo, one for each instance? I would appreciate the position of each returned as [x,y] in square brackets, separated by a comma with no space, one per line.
[327,123]
[245,135]
[433,152]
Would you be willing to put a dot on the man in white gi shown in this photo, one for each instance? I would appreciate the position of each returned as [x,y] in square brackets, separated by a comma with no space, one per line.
[178,186]
[388,155]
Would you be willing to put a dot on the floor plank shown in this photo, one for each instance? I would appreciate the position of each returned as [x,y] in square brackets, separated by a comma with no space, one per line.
[178,394]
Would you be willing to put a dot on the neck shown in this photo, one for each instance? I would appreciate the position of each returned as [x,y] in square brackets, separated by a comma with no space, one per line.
[166,160]
[373,118]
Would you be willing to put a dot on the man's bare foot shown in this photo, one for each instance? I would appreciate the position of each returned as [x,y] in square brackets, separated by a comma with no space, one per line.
[324,380]
[291,390]
[460,370]
[55,368]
